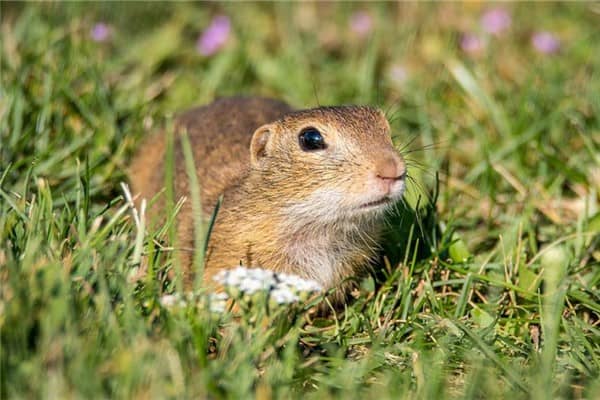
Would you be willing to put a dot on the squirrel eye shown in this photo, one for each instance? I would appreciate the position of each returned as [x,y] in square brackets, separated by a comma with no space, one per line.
[311,139]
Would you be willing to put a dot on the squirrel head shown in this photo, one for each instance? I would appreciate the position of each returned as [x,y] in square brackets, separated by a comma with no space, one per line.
[329,163]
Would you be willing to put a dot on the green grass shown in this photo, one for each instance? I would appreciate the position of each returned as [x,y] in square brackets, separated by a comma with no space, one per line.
[494,292]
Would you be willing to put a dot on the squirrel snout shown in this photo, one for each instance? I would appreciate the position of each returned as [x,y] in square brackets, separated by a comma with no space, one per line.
[390,169]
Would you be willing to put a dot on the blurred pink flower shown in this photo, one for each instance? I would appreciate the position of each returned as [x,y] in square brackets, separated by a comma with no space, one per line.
[214,36]
[100,32]
[398,73]
[471,44]
[495,20]
[361,23]
[545,42]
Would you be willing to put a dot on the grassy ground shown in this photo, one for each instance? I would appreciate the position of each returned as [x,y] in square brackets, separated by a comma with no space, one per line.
[504,299]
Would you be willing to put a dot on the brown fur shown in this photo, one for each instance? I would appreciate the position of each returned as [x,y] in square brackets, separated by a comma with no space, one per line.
[283,208]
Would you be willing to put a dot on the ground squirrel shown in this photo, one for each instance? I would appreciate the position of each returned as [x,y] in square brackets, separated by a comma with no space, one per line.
[304,192]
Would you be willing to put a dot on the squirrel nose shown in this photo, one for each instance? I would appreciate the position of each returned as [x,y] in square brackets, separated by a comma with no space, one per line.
[390,168]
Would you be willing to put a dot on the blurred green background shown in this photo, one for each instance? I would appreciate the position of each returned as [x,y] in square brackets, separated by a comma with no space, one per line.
[500,101]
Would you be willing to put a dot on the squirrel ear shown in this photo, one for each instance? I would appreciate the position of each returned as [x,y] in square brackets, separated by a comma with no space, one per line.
[258,145]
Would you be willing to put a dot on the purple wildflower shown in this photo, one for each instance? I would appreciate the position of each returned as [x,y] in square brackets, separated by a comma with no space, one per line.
[471,44]
[495,21]
[361,23]
[214,36]
[100,32]
[545,42]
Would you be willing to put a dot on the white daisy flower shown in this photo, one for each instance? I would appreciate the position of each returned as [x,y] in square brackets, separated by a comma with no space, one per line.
[299,284]
[282,295]
[281,288]
[217,302]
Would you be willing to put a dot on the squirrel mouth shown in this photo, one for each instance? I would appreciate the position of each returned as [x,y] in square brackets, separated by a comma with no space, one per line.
[376,203]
